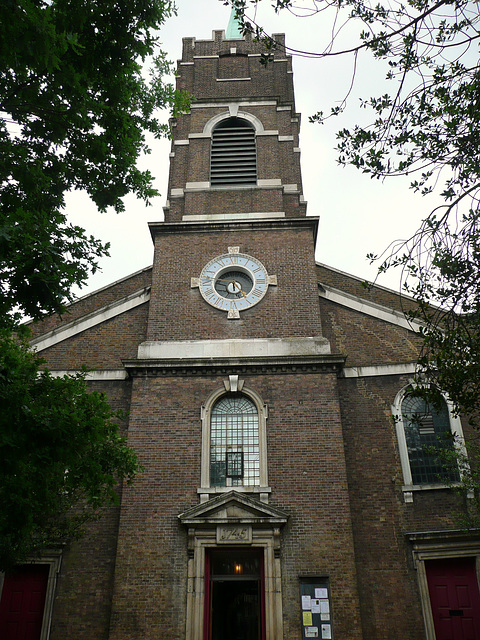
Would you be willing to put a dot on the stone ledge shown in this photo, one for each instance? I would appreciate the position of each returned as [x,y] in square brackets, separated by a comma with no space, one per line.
[237,348]
[235,366]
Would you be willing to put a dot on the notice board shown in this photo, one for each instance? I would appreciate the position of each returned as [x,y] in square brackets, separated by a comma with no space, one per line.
[316,609]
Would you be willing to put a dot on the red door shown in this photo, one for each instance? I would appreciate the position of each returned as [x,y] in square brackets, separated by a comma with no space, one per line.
[455,598]
[22,602]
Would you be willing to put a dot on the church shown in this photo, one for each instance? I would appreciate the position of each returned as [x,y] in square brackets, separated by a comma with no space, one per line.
[287,493]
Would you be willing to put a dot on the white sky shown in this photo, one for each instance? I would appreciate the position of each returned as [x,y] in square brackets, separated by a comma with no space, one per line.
[357,215]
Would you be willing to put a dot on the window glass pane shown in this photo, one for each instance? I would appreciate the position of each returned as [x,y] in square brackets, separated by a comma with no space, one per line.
[426,428]
[234,443]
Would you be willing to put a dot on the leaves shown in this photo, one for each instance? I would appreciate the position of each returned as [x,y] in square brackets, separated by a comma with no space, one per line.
[61,454]
[465,459]
[74,108]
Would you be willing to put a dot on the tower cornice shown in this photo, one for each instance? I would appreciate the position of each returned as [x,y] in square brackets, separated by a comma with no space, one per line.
[195,227]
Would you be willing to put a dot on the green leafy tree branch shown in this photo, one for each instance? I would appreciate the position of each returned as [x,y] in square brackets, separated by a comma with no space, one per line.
[75,105]
[61,454]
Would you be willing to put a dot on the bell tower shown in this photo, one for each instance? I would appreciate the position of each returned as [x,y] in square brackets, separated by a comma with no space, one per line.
[240,137]
[243,503]
[235,185]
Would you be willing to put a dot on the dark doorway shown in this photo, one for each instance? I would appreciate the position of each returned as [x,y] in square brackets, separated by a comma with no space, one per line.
[235,594]
[455,598]
[23,601]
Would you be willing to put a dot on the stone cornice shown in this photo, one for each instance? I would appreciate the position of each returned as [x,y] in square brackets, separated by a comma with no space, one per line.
[108,312]
[164,228]
[235,366]
[248,510]
[368,308]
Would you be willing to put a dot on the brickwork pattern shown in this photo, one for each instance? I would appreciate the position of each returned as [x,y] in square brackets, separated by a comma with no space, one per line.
[83,596]
[333,460]
[103,346]
[178,312]
[366,340]
[310,484]
[214,61]
[387,580]
[274,81]
[94,301]
[355,286]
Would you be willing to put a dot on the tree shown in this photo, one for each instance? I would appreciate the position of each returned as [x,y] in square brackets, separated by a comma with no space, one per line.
[61,455]
[74,108]
[427,126]
[455,459]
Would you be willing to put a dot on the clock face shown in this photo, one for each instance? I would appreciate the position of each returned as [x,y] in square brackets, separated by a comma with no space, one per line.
[233,282]
[233,285]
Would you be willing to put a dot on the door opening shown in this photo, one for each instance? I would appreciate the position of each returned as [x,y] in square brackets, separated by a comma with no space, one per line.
[235,595]
[454,597]
[22,602]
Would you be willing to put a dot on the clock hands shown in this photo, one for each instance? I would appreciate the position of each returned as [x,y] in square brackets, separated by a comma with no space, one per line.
[235,286]
[232,286]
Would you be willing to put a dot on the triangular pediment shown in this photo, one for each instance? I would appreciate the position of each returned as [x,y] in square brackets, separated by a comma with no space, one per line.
[233,507]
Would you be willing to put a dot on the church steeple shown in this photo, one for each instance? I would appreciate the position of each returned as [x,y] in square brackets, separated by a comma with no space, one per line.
[233,30]
[236,153]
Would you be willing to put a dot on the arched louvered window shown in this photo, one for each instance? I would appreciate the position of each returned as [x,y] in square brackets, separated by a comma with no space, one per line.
[233,159]
[427,428]
[234,443]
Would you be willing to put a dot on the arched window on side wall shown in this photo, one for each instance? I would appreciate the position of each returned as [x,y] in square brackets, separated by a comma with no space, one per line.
[234,442]
[427,428]
[233,157]
[422,428]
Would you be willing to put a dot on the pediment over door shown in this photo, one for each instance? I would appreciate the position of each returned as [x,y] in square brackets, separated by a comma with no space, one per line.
[233,508]
[230,521]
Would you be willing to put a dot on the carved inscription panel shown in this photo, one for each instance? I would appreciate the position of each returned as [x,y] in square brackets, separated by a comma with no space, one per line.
[234,534]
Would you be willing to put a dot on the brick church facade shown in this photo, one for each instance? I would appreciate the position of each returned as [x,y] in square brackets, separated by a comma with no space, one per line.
[286,493]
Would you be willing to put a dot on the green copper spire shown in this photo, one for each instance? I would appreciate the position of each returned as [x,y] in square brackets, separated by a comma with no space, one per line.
[233,29]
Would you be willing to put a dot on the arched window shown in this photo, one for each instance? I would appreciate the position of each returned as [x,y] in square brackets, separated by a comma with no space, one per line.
[233,158]
[427,431]
[234,442]
[421,428]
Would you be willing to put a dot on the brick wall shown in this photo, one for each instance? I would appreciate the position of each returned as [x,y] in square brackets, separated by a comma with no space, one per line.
[178,312]
[307,475]
[333,461]
[356,287]
[83,596]
[103,346]
[94,301]
[223,74]
[381,518]
[365,340]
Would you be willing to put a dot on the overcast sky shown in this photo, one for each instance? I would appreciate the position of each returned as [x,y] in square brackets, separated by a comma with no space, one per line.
[357,215]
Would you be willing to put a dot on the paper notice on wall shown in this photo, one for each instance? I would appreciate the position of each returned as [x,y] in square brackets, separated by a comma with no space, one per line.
[321,593]
[326,632]
[324,606]
[307,619]
[311,632]
[316,606]
[306,603]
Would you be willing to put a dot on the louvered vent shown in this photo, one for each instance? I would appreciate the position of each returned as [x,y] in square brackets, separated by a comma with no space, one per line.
[233,159]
